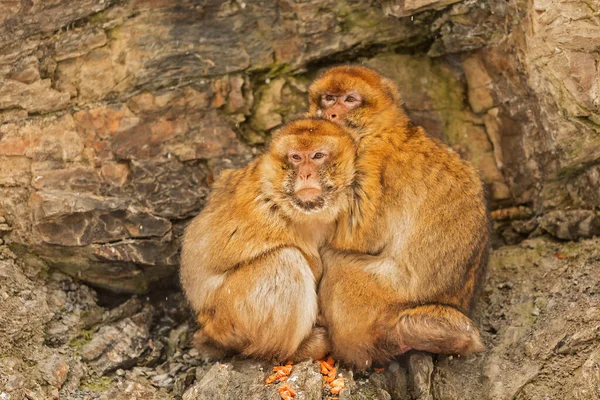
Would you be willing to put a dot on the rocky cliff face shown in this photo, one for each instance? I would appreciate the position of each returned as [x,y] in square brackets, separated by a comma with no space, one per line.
[115,116]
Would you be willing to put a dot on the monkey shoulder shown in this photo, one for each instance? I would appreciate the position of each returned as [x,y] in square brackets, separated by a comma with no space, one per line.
[419,169]
[228,232]
[227,181]
[429,154]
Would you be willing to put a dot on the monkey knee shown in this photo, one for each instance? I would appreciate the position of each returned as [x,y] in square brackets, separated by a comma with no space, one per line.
[470,343]
[456,342]
[439,329]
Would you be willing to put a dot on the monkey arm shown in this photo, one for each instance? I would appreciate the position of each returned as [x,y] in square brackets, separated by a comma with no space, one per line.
[266,307]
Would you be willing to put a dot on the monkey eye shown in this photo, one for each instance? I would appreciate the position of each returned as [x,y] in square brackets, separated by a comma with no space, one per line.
[329,97]
[296,157]
[350,99]
[318,155]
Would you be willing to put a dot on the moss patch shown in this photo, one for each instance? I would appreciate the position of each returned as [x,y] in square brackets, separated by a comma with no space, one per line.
[96,384]
[82,340]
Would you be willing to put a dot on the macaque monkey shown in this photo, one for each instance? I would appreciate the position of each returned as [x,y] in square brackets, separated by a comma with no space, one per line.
[250,260]
[407,257]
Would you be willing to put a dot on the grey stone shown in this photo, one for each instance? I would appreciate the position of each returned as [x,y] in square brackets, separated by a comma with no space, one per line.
[54,370]
[224,381]
[572,343]
[183,381]
[119,345]
[306,380]
[587,380]
[571,224]
[420,371]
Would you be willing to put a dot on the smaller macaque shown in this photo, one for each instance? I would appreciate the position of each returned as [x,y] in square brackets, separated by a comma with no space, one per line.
[250,261]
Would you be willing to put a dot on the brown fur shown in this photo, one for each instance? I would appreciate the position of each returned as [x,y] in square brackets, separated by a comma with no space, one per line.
[407,257]
[250,260]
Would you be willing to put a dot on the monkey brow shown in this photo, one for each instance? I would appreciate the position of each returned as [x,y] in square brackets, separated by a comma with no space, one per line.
[336,87]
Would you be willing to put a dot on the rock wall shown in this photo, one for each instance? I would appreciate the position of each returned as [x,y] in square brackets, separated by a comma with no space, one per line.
[115,116]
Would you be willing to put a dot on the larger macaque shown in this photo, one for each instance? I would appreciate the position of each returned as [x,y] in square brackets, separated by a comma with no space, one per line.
[409,253]
[250,260]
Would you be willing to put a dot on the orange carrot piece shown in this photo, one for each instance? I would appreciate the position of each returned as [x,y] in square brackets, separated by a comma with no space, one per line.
[286,392]
[330,377]
[281,373]
[287,369]
[292,392]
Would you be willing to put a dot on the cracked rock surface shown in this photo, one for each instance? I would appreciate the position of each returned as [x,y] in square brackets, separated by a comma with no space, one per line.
[539,314]
[116,116]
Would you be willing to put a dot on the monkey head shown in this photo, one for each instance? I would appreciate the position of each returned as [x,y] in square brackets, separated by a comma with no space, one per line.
[354,96]
[311,167]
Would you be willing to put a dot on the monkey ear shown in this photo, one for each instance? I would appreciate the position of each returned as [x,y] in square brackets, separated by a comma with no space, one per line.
[390,89]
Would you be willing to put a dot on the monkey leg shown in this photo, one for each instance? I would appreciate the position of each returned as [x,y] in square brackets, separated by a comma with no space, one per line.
[315,346]
[438,329]
[265,308]
[361,300]
[357,309]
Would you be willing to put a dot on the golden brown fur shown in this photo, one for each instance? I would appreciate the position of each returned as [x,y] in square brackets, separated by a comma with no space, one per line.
[408,255]
[250,260]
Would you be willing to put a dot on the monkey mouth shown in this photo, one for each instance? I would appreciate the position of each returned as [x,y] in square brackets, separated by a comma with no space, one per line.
[308,194]
[309,206]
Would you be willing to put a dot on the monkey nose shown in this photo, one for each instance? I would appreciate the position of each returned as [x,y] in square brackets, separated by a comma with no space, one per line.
[333,116]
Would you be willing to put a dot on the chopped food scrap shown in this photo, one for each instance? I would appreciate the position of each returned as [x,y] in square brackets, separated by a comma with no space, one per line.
[560,256]
[287,369]
[380,370]
[337,385]
[329,372]
[281,373]
[286,392]
[330,377]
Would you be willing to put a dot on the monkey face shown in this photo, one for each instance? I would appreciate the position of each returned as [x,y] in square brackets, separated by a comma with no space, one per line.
[352,96]
[305,184]
[335,106]
[316,164]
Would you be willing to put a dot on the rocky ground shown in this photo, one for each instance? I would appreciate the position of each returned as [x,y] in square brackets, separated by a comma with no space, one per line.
[539,313]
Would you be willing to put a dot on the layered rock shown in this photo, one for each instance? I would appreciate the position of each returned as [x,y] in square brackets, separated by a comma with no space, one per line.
[115,117]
